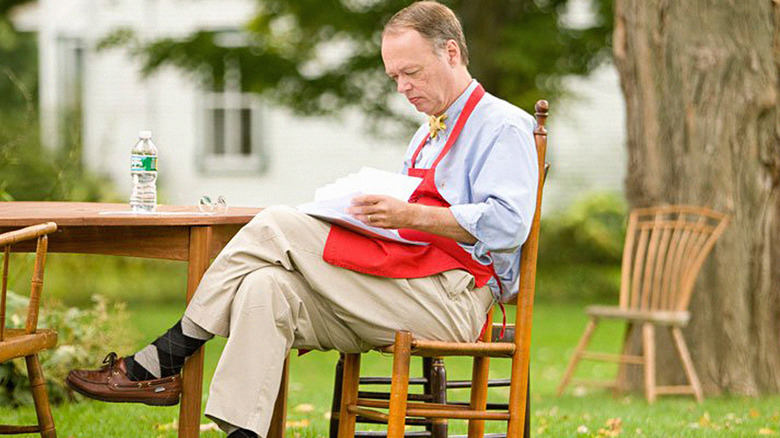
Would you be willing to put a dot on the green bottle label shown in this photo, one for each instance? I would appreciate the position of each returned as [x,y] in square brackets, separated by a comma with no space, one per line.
[143,163]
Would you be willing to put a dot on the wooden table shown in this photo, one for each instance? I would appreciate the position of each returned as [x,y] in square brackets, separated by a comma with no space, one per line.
[183,234]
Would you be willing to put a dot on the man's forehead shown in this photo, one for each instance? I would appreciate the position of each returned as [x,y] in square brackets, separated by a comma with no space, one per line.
[404,48]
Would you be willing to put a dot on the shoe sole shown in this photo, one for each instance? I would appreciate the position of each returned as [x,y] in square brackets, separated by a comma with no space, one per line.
[153,402]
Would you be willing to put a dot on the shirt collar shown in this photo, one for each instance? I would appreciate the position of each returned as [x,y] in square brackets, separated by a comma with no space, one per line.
[455,108]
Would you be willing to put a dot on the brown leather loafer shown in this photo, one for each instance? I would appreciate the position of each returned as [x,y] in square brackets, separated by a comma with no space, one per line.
[111,384]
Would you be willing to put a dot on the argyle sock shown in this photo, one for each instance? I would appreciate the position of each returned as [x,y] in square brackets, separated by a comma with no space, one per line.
[165,356]
[242,433]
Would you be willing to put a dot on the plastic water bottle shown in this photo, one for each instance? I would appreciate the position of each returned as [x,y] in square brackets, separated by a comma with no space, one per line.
[143,171]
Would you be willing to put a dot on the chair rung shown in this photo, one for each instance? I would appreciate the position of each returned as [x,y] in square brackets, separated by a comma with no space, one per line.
[409,421]
[604,383]
[387,381]
[379,433]
[386,396]
[428,410]
[487,435]
[460,384]
[438,349]
[489,406]
[382,404]
[619,358]
[682,389]
[457,414]
[7,429]
[368,413]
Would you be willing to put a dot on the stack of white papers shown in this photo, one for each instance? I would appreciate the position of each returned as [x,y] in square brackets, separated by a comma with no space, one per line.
[332,200]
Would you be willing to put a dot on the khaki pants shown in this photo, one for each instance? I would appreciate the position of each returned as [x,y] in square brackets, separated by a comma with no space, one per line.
[269,291]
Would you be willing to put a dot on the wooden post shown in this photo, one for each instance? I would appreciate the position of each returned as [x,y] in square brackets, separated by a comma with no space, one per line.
[648,338]
[575,358]
[479,384]
[349,395]
[399,388]
[685,356]
[279,418]
[192,373]
[40,397]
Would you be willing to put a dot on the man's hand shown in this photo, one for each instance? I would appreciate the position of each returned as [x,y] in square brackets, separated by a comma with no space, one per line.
[383,211]
[388,212]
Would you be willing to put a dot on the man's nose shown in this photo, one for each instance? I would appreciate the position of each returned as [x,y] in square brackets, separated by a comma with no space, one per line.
[403,86]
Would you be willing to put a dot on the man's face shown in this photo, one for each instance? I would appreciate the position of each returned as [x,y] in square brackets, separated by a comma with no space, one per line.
[421,74]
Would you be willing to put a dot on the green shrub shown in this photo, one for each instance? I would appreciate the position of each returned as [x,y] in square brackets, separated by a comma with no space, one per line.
[580,250]
[82,338]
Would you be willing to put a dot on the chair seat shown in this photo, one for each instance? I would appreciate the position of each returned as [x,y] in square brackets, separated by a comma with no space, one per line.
[665,317]
[18,344]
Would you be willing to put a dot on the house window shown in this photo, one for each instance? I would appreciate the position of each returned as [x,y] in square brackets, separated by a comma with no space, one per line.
[232,137]
[70,69]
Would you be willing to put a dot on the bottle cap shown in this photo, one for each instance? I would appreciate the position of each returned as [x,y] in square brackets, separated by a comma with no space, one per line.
[145,134]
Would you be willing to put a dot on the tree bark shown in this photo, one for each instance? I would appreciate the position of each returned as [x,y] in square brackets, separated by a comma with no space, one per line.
[702,82]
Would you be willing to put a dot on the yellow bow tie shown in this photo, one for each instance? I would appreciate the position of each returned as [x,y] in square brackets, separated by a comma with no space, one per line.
[436,124]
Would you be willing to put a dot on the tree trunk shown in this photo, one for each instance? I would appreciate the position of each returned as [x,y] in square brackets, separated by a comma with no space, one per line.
[702,82]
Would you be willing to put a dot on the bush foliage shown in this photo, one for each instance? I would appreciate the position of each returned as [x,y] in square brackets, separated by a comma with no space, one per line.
[82,338]
[580,250]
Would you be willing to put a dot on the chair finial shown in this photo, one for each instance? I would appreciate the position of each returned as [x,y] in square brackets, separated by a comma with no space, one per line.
[541,111]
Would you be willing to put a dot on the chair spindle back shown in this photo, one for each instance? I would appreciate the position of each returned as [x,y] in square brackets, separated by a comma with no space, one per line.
[664,250]
[40,233]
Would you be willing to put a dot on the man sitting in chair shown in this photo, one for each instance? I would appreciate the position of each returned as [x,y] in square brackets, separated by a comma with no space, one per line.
[288,280]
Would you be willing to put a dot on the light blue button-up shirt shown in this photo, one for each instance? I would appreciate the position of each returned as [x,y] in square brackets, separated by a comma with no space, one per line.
[489,178]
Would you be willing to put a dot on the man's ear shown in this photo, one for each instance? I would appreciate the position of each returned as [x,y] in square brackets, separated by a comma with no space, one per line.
[453,52]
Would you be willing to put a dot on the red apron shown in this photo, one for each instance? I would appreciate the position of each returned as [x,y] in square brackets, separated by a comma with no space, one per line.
[351,250]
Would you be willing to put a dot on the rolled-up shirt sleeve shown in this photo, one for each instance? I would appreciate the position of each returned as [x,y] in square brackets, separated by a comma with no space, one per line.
[503,194]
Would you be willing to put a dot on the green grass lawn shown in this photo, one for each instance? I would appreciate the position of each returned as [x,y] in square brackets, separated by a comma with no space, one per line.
[556,330]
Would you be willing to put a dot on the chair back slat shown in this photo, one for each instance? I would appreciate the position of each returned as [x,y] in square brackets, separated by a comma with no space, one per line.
[6,258]
[664,250]
[636,276]
[678,230]
[648,265]
[625,273]
[656,301]
[36,284]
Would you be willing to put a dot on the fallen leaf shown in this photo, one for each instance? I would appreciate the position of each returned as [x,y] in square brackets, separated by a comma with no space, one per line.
[583,429]
[766,431]
[168,426]
[304,407]
[209,426]
[300,423]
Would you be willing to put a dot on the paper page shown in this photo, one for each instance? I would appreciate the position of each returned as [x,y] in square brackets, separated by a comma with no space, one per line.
[332,200]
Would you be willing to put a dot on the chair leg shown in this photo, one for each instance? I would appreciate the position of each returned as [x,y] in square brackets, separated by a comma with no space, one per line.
[479,387]
[685,356]
[335,404]
[648,345]
[575,358]
[279,417]
[399,388]
[40,397]
[436,373]
[349,395]
[620,381]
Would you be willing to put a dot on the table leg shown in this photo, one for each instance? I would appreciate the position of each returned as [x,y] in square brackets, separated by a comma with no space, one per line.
[192,373]
[279,419]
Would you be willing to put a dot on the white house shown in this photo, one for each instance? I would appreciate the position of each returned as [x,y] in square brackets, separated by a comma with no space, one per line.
[233,144]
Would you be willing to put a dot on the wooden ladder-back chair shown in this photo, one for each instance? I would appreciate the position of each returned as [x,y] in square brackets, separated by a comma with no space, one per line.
[30,340]
[664,250]
[399,407]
